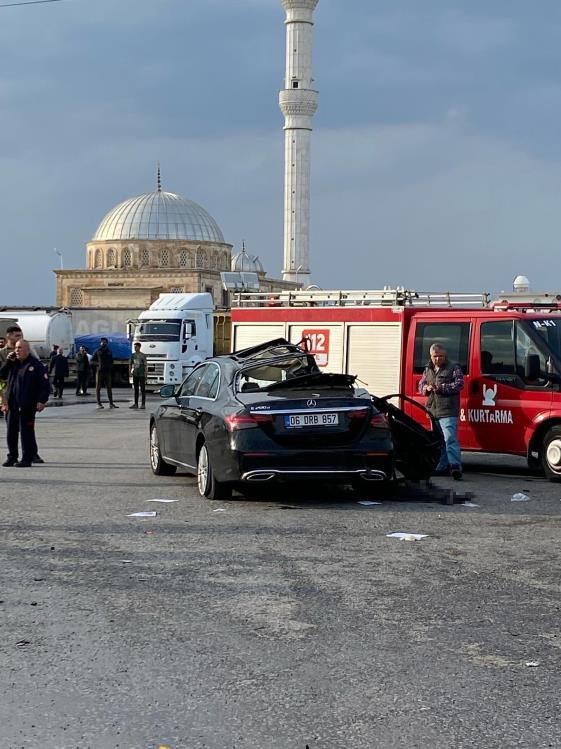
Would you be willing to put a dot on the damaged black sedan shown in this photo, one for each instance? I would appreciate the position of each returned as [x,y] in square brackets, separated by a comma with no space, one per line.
[269,414]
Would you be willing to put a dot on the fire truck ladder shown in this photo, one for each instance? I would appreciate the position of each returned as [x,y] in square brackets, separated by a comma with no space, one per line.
[387,297]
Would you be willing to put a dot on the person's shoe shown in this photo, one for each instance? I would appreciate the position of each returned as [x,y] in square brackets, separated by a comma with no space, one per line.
[143,406]
[112,405]
[37,459]
[23,464]
[133,406]
[9,462]
[100,405]
[456,473]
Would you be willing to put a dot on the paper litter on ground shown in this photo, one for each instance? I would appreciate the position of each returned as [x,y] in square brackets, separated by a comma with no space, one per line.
[532,664]
[407,536]
[519,497]
[367,502]
[219,509]
[162,500]
[470,504]
[148,514]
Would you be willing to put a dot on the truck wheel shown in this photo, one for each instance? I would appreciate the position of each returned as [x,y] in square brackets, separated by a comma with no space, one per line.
[157,463]
[208,486]
[551,454]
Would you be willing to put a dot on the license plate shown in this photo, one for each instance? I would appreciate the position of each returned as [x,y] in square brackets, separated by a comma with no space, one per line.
[310,420]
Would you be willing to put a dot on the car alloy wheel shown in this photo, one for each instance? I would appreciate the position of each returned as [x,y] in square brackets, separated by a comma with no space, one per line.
[157,463]
[206,483]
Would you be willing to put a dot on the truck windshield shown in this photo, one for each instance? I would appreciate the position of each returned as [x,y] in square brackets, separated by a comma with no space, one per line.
[168,330]
[549,330]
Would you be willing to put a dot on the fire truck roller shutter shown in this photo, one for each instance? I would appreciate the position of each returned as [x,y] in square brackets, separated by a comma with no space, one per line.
[245,336]
[325,341]
[374,355]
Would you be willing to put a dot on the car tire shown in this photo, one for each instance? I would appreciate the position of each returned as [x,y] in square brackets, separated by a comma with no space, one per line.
[207,484]
[551,454]
[157,463]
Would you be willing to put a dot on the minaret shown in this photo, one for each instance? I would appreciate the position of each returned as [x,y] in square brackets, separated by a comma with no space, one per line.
[298,103]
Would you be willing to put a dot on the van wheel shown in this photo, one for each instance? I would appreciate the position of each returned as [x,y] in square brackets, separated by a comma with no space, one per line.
[208,486]
[157,463]
[551,454]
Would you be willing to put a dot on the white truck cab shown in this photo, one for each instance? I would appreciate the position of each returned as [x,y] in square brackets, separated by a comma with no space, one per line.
[176,333]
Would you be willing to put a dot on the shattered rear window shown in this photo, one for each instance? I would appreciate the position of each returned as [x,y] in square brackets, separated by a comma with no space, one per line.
[263,375]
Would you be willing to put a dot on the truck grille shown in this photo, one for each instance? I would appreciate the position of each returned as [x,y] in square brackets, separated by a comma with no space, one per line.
[155,369]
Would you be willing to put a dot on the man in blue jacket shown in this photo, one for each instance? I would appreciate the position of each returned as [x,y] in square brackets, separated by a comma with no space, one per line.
[27,392]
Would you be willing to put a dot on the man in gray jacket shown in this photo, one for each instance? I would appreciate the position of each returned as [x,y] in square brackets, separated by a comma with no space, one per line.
[441,383]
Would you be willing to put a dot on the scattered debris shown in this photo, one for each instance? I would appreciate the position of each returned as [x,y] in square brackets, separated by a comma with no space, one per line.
[33,603]
[126,561]
[470,504]
[145,514]
[519,497]
[532,664]
[407,536]
[22,643]
[367,502]
[219,509]
[162,500]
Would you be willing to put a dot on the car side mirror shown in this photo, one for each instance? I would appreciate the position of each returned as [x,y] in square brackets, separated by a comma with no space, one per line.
[532,367]
[167,391]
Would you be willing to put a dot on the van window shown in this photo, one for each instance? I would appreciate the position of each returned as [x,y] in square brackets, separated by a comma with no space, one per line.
[497,348]
[527,346]
[454,336]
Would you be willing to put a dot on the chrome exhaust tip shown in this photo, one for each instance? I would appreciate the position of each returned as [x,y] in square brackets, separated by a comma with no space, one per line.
[374,476]
[258,477]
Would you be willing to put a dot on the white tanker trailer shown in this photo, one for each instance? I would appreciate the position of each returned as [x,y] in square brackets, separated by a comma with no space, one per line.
[42,328]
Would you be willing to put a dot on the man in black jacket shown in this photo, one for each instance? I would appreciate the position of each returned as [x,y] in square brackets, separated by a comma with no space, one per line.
[27,393]
[82,371]
[58,366]
[103,360]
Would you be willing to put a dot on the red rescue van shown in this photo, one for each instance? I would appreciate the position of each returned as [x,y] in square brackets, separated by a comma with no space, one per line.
[509,351]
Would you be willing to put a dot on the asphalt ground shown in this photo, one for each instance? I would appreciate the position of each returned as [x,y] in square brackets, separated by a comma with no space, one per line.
[282,622]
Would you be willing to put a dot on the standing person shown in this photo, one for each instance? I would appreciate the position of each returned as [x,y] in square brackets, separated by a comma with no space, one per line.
[58,366]
[82,371]
[137,370]
[13,335]
[27,394]
[52,354]
[103,360]
[441,383]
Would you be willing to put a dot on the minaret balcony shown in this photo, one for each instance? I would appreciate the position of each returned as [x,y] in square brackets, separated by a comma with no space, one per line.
[298,102]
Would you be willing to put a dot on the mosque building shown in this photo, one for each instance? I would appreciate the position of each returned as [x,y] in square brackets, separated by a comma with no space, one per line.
[155,243]
[162,242]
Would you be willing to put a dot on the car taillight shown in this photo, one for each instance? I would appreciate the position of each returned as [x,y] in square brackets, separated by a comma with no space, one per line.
[359,414]
[379,421]
[246,420]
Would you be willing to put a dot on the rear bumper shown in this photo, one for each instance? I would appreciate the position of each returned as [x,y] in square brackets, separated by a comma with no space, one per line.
[262,475]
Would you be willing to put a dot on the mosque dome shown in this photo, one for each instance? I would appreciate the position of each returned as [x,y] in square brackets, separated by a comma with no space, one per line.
[158,215]
[245,263]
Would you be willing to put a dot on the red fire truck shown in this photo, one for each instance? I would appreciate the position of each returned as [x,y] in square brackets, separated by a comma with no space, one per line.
[509,350]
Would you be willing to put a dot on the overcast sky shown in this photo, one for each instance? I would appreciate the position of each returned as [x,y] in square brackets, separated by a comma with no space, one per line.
[436,157]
